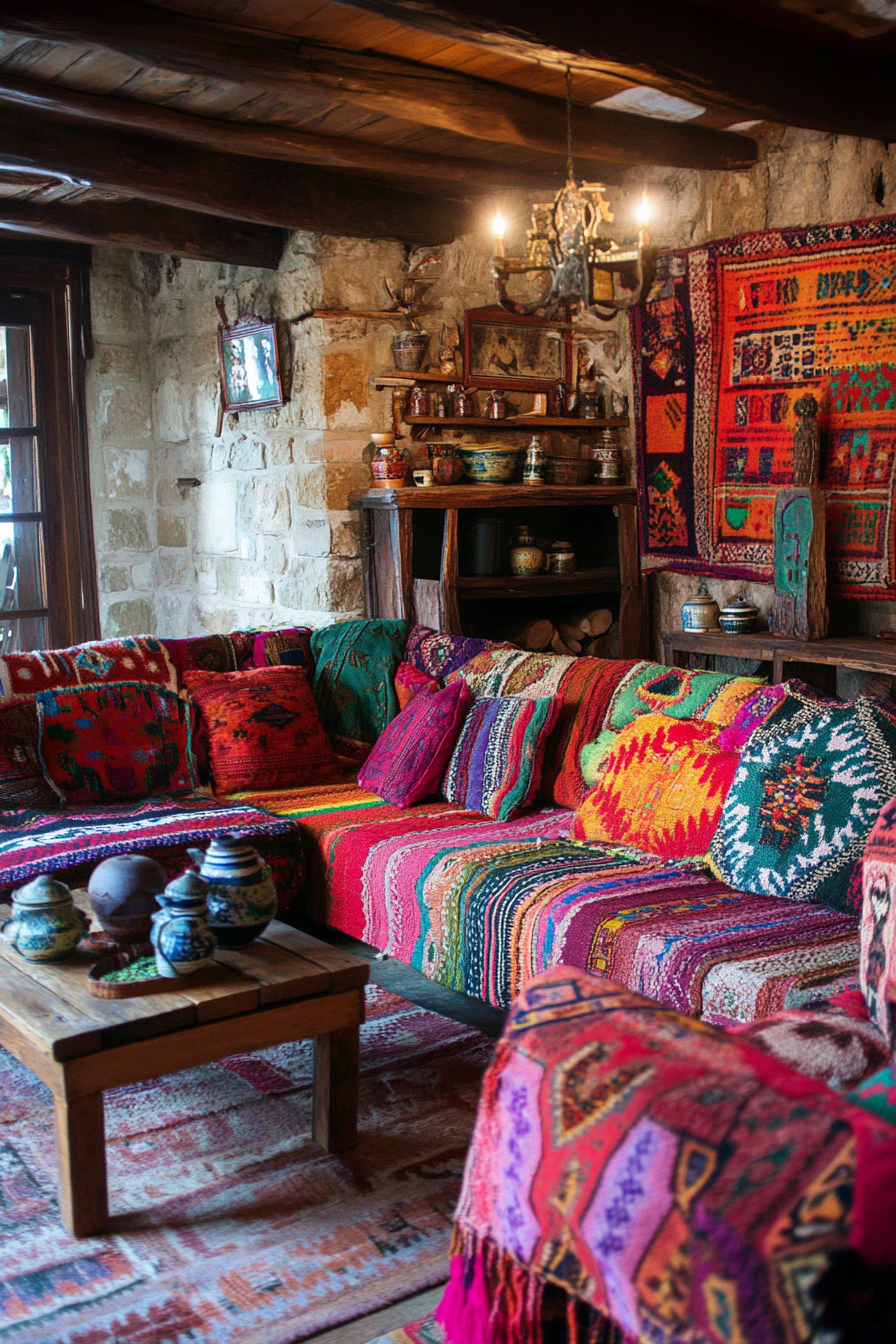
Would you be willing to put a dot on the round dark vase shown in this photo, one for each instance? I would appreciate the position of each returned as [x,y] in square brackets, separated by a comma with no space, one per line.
[124,894]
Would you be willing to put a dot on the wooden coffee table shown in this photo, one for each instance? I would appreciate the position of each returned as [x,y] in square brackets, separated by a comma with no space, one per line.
[286,986]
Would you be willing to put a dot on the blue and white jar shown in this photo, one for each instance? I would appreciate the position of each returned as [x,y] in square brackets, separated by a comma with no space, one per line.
[45,925]
[180,934]
[242,898]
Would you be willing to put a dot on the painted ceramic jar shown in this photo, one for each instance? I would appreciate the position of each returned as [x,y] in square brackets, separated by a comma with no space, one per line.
[123,893]
[390,462]
[180,933]
[242,898]
[700,612]
[444,460]
[526,556]
[45,925]
[739,617]
[561,558]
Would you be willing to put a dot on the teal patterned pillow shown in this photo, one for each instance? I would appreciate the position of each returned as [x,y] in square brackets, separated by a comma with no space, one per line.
[804,799]
[354,681]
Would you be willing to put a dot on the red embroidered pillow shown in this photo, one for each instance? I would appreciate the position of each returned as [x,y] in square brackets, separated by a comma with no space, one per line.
[133,658]
[22,782]
[264,731]
[125,739]
[409,758]
[408,681]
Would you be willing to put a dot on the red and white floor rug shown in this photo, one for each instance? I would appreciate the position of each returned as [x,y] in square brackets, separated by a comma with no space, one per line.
[229,1223]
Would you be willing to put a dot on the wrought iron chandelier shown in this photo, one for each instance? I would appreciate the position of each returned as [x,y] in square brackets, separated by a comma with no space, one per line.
[586,273]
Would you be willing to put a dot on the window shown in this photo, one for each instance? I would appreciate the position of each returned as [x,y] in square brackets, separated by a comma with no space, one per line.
[47,575]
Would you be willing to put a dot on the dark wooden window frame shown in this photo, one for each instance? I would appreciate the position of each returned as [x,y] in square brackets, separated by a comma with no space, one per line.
[48,284]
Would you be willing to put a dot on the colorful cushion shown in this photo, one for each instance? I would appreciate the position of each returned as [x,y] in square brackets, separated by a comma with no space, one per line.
[354,681]
[22,782]
[584,694]
[878,1094]
[877,963]
[661,788]
[834,1042]
[501,671]
[651,688]
[496,766]
[284,648]
[126,739]
[804,799]
[210,653]
[408,681]
[264,729]
[761,707]
[408,762]
[440,654]
[137,658]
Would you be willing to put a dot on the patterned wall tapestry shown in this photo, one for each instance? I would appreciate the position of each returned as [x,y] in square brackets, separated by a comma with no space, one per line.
[732,335]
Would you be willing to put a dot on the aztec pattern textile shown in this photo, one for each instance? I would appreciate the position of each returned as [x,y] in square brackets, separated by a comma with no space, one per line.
[804,799]
[878,1094]
[440,654]
[354,681]
[482,906]
[230,1224]
[210,653]
[495,767]
[762,706]
[733,334]
[409,758]
[661,788]
[284,648]
[652,688]
[34,842]
[263,728]
[878,934]
[835,1042]
[137,658]
[408,681]
[126,739]
[686,1186]
[22,782]
[506,672]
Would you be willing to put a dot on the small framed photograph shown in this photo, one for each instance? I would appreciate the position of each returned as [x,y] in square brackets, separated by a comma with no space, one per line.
[250,365]
[525,354]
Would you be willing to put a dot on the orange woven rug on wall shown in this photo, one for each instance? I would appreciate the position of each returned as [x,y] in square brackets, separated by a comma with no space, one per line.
[229,1223]
[733,334]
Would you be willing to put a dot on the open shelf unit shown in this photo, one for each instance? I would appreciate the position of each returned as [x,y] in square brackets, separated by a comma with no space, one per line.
[517,422]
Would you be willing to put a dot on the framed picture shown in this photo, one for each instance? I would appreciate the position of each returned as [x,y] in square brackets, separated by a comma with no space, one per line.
[525,354]
[250,365]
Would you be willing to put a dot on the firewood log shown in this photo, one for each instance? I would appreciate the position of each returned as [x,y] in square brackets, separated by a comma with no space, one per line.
[537,635]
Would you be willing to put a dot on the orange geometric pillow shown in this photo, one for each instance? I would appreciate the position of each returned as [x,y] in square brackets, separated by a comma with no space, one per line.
[661,788]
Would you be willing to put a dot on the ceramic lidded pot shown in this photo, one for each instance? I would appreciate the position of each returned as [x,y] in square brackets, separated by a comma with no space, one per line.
[444,459]
[700,612]
[242,898]
[123,892]
[45,925]
[561,558]
[739,617]
[526,556]
[180,933]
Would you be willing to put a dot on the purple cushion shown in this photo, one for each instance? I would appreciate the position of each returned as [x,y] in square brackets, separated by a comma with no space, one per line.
[409,758]
[439,654]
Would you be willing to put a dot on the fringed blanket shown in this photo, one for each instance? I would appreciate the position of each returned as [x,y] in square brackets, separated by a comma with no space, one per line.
[734,333]
[677,1186]
[482,906]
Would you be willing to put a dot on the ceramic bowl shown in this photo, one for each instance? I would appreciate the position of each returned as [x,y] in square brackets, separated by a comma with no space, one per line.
[489,464]
[569,470]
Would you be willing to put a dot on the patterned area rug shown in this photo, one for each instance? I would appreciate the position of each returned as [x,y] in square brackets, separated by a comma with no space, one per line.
[734,333]
[229,1223]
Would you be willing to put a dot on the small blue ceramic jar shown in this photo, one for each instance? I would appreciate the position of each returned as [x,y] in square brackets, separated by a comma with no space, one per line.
[242,898]
[45,925]
[739,617]
[180,934]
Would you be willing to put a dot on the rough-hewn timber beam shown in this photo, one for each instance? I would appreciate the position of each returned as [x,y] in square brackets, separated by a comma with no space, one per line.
[705,53]
[254,139]
[481,109]
[255,190]
[147,227]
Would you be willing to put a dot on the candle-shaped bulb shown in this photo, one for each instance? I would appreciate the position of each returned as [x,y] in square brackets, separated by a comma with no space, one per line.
[643,213]
[498,228]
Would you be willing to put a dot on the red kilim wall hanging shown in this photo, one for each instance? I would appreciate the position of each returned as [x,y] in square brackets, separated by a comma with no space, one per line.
[732,335]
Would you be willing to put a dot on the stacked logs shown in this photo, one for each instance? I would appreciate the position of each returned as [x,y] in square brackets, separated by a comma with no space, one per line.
[580,636]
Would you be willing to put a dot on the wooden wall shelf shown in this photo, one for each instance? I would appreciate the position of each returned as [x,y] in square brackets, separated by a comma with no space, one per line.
[860,653]
[542,585]
[517,422]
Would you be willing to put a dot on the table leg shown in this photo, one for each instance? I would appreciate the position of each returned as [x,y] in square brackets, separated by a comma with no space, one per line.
[81,1146]
[336,1089]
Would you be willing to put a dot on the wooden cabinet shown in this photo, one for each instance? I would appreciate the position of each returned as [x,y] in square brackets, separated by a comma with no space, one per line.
[416,567]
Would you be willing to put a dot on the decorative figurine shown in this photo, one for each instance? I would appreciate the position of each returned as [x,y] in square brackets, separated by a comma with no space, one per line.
[700,612]
[124,893]
[45,924]
[806,442]
[526,556]
[180,934]
[242,898]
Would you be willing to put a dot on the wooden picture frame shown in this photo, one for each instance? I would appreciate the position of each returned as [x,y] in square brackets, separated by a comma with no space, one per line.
[250,365]
[521,354]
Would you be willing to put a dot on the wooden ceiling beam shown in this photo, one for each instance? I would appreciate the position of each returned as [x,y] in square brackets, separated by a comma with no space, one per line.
[254,190]
[147,227]
[704,53]
[255,139]
[480,109]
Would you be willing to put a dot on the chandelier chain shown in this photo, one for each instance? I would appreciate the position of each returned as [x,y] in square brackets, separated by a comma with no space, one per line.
[569,171]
